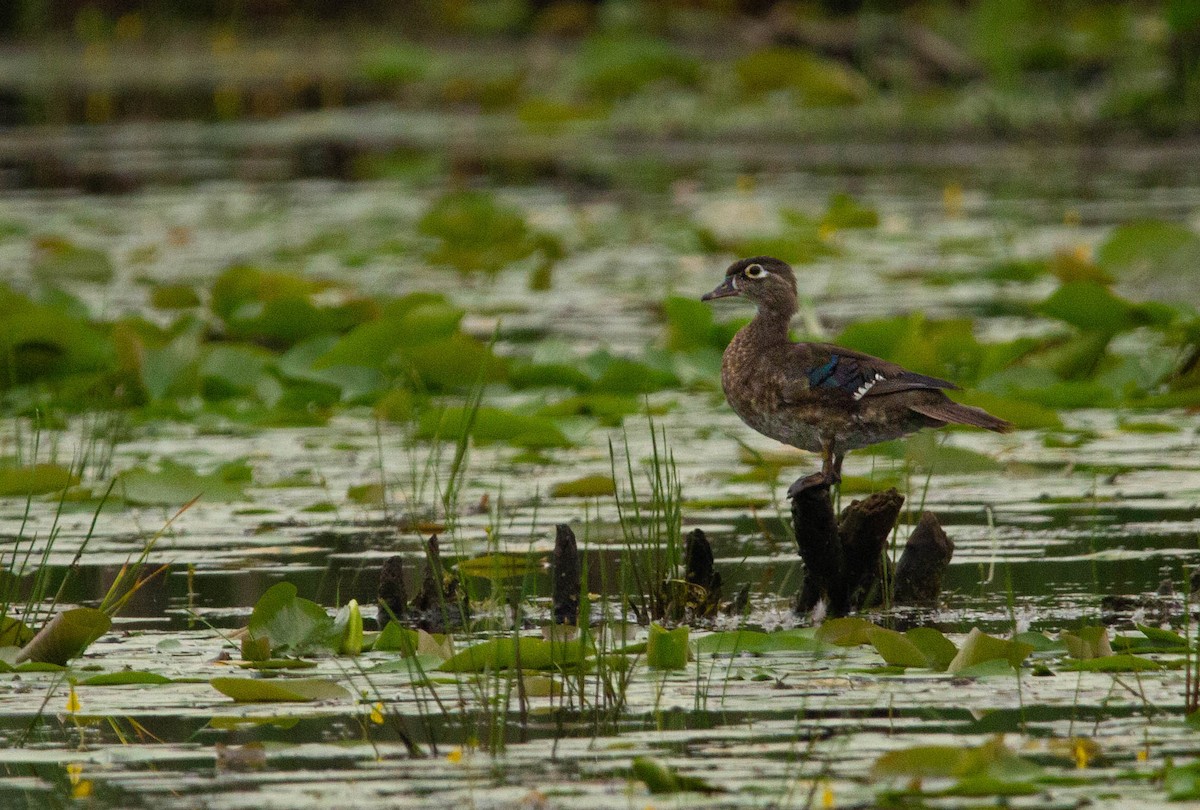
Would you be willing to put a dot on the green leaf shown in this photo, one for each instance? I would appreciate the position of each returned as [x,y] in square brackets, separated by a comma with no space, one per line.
[733,642]
[65,636]
[275,690]
[1140,251]
[1182,783]
[991,760]
[897,649]
[667,649]
[589,486]
[491,425]
[174,484]
[55,259]
[502,653]
[938,650]
[501,566]
[850,631]
[846,212]
[14,632]
[980,647]
[1092,307]
[1113,663]
[35,479]
[660,778]
[1087,642]
[125,678]
[293,624]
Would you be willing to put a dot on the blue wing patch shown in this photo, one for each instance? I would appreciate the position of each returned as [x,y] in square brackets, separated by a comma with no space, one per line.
[823,375]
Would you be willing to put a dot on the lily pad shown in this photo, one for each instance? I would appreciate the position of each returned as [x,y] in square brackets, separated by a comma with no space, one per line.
[507,653]
[980,647]
[65,636]
[277,690]
[667,649]
[174,484]
[35,479]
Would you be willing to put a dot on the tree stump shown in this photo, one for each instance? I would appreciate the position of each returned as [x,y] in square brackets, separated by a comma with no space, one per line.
[844,561]
[565,565]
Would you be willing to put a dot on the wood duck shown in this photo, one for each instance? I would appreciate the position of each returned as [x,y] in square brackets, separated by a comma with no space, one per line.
[818,396]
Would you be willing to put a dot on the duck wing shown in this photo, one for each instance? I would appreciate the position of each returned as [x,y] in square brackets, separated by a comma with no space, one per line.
[823,366]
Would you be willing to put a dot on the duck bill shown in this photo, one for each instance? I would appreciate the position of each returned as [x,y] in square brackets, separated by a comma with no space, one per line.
[725,290]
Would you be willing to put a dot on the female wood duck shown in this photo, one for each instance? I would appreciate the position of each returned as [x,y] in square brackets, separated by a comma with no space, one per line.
[817,396]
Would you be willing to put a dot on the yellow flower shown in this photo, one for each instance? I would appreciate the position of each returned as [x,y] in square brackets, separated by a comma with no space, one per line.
[1081,755]
[455,755]
[72,701]
[377,714]
[827,797]
[1143,755]
[74,769]
[82,790]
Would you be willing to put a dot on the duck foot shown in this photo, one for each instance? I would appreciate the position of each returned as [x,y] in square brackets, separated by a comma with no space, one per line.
[817,479]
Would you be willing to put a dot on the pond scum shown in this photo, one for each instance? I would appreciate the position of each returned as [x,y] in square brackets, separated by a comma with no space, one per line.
[398,493]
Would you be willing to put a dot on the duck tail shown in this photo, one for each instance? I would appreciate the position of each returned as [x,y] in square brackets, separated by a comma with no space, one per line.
[949,411]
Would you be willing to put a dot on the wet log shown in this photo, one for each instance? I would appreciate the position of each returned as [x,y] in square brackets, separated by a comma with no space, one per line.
[392,599]
[863,529]
[565,564]
[918,577]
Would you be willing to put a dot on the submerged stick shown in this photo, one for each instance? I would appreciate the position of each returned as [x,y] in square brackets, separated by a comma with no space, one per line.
[565,562]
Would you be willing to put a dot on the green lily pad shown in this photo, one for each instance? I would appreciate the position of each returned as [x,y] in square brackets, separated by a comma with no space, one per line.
[1087,642]
[733,642]
[35,479]
[498,567]
[850,631]
[980,647]
[174,484]
[896,648]
[667,649]
[1113,663]
[291,623]
[660,778]
[126,678]
[589,486]
[503,653]
[277,690]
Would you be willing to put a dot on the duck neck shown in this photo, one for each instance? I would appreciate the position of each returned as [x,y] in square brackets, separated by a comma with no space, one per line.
[770,324]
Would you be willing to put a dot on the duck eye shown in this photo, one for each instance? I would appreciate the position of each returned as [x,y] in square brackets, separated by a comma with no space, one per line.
[755,271]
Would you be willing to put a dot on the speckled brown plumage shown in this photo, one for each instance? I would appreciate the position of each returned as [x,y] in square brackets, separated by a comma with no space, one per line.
[817,396]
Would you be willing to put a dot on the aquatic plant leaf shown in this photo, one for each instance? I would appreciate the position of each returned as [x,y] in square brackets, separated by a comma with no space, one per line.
[55,258]
[292,623]
[348,628]
[985,785]
[1124,662]
[896,648]
[849,631]
[815,80]
[660,778]
[1087,642]
[396,638]
[373,343]
[589,486]
[65,636]
[991,760]
[667,649]
[1166,638]
[14,633]
[35,479]
[491,425]
[608,409]
[980,647]
[278,690]
[690,325]
[938,650]
[846,212]
[125,678]
[498,567]
[1094,307]
[455,363]
[733,642]
[503,653]
[1040,641]
[1182,783]
[476,232]
[613,66]
[174,484]
[1139,251]
[230,369]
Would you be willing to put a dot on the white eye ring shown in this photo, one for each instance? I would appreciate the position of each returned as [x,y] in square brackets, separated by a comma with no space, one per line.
[755,271]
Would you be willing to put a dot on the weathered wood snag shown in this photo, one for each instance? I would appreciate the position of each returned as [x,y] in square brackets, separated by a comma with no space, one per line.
[918,577]
[565,566]
[439,606]
[392,599]
[844,561]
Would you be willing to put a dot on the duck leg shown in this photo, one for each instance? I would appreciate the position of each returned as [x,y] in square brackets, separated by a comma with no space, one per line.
[830,474]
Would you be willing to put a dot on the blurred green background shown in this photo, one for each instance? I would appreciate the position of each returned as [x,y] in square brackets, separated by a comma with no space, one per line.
[526,90]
